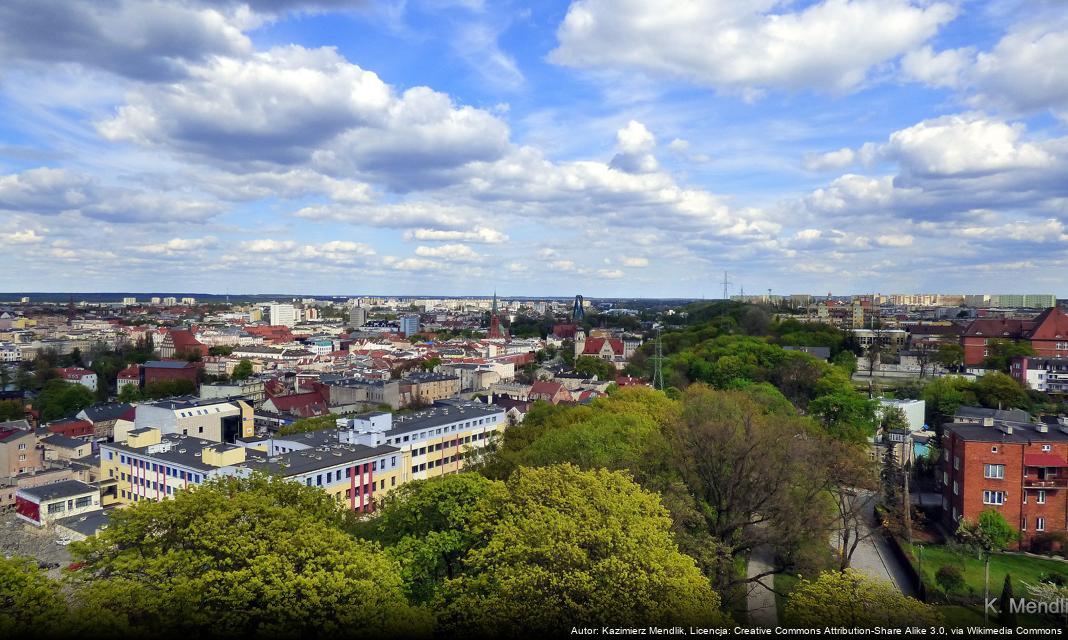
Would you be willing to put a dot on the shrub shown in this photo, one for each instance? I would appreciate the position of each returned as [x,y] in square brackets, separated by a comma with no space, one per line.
[949,578]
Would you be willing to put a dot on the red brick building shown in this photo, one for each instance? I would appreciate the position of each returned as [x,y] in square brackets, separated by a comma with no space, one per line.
[1047,333]
[1018,468]
[179,343]
[161,370]
[71,427]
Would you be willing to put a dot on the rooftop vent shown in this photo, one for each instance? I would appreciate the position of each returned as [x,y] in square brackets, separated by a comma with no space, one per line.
[1004,428]
[988,422]
[1041,428]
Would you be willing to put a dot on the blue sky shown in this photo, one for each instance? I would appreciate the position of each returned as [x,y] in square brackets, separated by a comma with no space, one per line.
[608,147]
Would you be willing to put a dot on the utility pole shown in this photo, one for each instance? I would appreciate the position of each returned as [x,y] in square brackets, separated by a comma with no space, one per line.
[726,283]
[658,362]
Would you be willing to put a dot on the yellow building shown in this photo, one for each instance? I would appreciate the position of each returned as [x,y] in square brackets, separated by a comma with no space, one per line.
[153,466]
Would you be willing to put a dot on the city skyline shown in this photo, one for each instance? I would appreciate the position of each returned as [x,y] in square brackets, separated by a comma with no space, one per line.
[451,147]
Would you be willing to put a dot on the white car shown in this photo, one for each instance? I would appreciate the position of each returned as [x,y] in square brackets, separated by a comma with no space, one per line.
[63,542]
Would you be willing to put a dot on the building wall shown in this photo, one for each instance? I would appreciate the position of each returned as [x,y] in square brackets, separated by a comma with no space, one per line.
[48,510]
[20,455]
[968,501]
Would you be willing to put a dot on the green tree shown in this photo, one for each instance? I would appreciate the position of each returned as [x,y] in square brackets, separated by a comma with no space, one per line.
[850,599]
[590,366]
[243,370]
[426,526]
[950,355]
[257,556]
[845,415]
[943,396]
[1000,391]
[561,546]
[30,603]
[11,410]
[60,398]
[988,534]
[130,393]
[1006,614]
[1001,353]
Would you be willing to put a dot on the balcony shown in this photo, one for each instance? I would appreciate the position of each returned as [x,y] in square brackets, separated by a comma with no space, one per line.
[1045,483]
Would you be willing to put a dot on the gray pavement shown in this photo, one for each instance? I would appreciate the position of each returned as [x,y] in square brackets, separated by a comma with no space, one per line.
[760,600]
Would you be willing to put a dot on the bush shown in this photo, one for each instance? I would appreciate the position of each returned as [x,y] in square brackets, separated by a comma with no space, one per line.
[1057,579]
[1051,542]
[950,578]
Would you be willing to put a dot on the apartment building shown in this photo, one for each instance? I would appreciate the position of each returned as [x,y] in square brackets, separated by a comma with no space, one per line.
[1047,334]
[1048,375]
[215,419]
[1019,468]
[153,466]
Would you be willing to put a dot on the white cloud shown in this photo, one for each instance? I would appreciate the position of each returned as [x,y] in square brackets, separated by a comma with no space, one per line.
[480,235]
[449,253]
[25,236]
[894,240]
[748,45]
[943,69]
[562,265]
[964,144]
[394,215]
[830,160]
[268,246]
[176,246]
[611,274]
[635,261]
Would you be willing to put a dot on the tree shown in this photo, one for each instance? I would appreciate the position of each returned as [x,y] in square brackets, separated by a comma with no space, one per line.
[30,603]
[850,482]
[60,398]
[950,355]
[255,556]
[130,393]
[426,526]
[243,370]
[1001,353]
[845,415]
[943,396]
[561,546]
[11,410]
[990,533]
[755,468]
[1006,612]
[847,361]
[590,366]
[1000,391]
[850,599]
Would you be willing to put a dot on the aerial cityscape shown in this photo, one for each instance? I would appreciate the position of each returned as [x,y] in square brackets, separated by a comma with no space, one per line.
[458,318]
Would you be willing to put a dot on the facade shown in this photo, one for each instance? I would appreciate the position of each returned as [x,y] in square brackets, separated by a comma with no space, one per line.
[216,420]
[44,504]
[103,418]
[18,449]
[428,388]
[178,343]
[357,316]
[84,377]
[438,440]
[166,370]
[251,390]
[1019,469]
[284,315]
[1047,335]
[409,325]
[1048,375]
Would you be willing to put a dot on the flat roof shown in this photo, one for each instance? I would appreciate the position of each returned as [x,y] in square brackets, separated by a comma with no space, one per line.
[64,489]
[87,524]
[1022,432]
[440,415]
[321,457]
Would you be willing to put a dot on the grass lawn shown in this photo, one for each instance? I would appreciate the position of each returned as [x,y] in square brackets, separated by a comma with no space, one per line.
[1022,568]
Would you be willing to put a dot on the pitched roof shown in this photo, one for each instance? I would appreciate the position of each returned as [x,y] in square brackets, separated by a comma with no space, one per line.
[594,345]
[998,328]
[1051,324]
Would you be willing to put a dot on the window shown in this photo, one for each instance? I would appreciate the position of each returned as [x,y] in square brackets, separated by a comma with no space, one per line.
[55,507]
[956,488]
[1023,523]
[1046,447]
[22,446]
[1041,499]
[83,501]
[994,471]
[993,449]
[1040,524]
[956,462]
[994,497]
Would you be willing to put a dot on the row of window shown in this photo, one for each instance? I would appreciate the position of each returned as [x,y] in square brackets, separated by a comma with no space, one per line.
[435,463]
[450,444]
[432,432]
[152,467]
[78,503]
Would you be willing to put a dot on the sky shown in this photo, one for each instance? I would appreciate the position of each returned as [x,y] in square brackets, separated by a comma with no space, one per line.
[632,148]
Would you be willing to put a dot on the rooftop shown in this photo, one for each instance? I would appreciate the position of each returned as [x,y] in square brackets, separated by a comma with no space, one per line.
[320,457]
[65,489]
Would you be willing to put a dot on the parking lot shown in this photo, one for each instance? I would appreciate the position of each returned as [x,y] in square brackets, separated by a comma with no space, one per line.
[17,538]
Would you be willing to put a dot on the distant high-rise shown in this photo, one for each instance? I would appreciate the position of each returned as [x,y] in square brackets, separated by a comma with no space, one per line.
[578,310]
[357,316]
[409,325]
[282,315]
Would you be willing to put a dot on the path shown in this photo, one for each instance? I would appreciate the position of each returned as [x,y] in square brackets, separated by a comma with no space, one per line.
[873,556]
[760,600]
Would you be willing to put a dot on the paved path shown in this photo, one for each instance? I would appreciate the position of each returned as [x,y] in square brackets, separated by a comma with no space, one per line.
[760,600]
[873,556]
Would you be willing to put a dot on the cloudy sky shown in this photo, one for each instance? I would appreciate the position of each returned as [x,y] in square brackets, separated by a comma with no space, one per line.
[604,147]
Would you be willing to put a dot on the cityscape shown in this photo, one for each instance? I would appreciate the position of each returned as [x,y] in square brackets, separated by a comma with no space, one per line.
[455,318]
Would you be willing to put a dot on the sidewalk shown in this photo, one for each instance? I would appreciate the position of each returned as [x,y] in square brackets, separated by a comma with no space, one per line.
[760,599]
